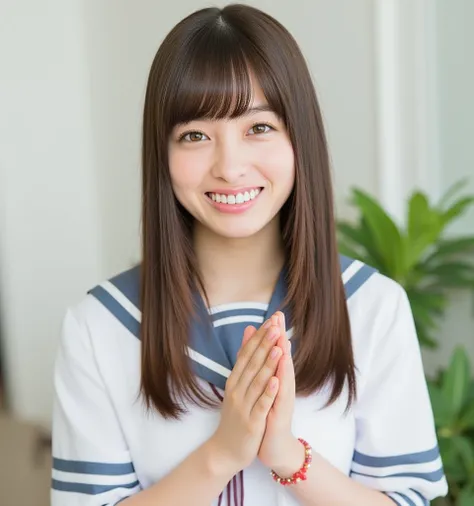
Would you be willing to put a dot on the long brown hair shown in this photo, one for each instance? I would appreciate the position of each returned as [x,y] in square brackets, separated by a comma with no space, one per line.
[202,70]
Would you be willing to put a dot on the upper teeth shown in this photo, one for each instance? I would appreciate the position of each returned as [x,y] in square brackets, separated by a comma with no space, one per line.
[239,198]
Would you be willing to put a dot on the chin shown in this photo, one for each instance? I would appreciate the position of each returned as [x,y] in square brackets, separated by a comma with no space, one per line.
[241,231]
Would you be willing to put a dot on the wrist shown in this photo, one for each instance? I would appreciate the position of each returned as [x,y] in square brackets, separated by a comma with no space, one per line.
[219,465]
[293,457]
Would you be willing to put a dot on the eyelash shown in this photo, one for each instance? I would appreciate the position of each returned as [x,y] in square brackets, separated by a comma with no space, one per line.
[182,136]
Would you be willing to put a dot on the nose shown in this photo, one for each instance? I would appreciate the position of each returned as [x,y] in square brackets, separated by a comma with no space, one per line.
[229,164]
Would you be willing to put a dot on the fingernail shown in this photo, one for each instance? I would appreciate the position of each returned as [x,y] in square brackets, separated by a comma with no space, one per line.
[289,347]
[275,352]
[267,324]
[275,319]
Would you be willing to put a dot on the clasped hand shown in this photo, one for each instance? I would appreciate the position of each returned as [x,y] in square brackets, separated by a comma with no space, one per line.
[259,399]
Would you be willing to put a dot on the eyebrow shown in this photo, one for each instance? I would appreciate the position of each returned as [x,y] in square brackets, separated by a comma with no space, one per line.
[258,108]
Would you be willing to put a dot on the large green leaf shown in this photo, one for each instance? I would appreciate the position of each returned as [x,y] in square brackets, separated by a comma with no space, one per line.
[465,449]
[470,395]
[457,209]
[467,418]
[456,380]
[451,274]
[353,234]
[434,301]
[466,497]
[356,242]
[453,466]
[451,192]
[375,253]
[442,409]
[414,277]
[451,247]
[426,308]
[387,238]
[425,337]
[441,501]
[424,316]
[418,215]
[423,229]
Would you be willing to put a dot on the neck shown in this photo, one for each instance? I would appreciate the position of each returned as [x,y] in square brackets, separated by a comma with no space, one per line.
[235,270]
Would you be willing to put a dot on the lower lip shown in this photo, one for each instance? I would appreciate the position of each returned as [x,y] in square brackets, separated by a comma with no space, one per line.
[233,208]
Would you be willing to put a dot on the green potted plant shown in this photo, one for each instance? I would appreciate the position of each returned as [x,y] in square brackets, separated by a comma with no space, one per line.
[419,255]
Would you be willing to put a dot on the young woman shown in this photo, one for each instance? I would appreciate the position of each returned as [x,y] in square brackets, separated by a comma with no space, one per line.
[175,381]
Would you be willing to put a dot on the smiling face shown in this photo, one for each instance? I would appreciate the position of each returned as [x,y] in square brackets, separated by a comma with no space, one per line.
[233,175]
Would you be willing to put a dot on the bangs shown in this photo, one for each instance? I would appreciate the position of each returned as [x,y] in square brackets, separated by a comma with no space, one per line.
[217,81]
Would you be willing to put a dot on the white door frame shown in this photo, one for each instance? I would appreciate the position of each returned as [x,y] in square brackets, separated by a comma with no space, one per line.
[407,121]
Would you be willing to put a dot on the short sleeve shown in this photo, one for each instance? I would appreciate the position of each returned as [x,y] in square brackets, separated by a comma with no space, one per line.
[396,449]
[91,462]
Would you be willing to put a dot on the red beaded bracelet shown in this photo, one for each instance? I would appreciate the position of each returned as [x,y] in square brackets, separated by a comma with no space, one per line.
[300,475]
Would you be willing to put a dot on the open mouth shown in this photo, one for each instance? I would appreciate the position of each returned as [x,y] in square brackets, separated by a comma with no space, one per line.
[235,198]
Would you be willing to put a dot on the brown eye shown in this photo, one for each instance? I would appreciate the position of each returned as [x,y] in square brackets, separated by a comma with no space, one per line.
[260,128]
[192,137]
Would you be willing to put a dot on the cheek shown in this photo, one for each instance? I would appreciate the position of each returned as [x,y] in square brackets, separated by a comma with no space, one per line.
[280,165]
[186,172]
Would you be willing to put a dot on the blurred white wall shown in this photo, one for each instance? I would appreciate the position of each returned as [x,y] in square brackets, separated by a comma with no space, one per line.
[455,47]
[50,247]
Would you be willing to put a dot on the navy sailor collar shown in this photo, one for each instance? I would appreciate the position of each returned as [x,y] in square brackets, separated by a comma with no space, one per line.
[212,358]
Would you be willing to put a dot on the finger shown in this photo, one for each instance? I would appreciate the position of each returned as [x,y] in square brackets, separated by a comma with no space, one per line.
[282,323]
[252,338]
[286,377]
[248,333]
[281,319]
[283,344]
[289,373]
[246,352]
[263,405]
[258,359]
[275,318]
[261,379]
